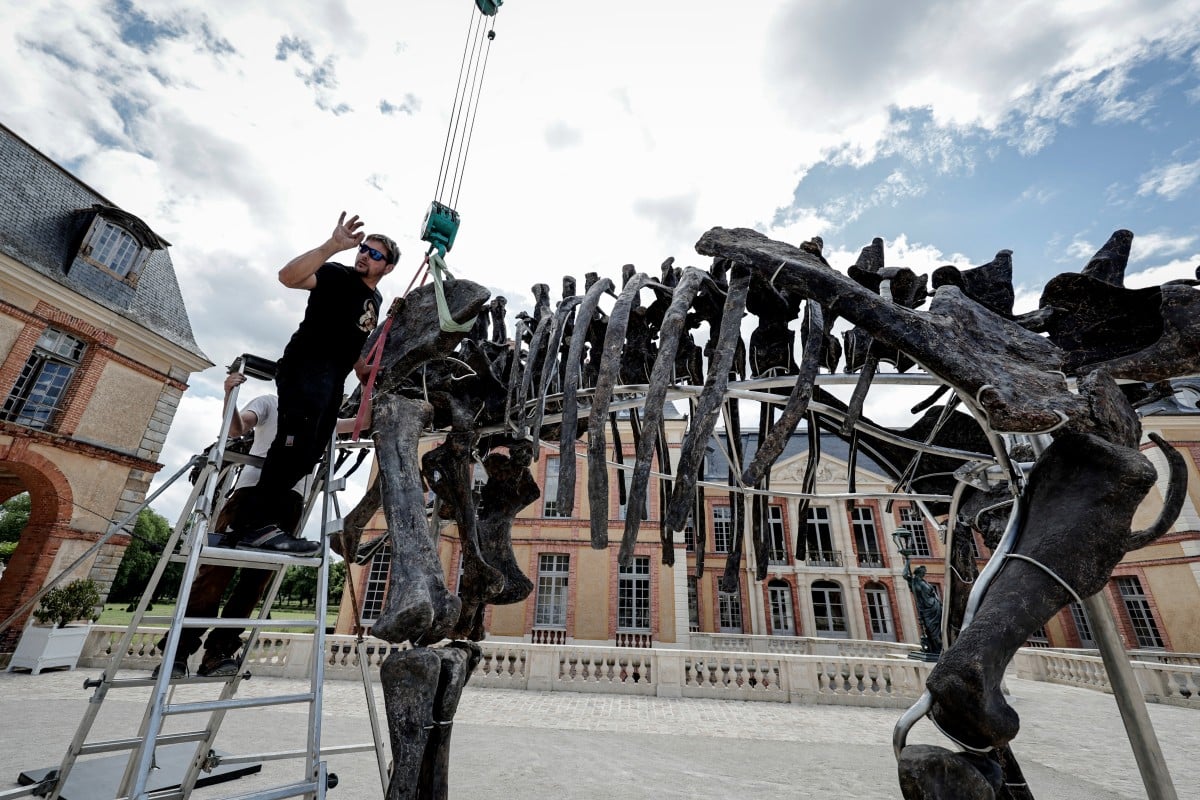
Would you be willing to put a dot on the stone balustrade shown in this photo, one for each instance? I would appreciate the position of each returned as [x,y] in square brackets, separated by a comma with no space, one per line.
[773,669]
[885,681]
[1163,681]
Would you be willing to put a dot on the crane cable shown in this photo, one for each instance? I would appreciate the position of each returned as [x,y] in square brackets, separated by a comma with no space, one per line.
[471,72]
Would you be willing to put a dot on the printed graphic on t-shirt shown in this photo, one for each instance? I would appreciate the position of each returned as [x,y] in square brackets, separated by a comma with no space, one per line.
[370,316]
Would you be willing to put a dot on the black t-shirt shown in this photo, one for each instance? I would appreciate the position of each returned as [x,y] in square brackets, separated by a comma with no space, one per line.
[341,312]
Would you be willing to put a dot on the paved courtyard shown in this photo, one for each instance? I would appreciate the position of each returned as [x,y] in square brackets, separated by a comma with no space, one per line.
[598,746]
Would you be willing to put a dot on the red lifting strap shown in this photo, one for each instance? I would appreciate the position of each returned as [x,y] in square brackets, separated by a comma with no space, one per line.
[375,356]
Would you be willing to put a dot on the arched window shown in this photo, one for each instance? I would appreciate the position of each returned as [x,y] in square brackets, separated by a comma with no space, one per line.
[783,617]
[829,610]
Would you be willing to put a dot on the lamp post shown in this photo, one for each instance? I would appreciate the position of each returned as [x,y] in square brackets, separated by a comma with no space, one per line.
[929,607]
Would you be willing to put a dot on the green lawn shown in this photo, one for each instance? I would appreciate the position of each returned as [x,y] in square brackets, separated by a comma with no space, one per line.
[115,614]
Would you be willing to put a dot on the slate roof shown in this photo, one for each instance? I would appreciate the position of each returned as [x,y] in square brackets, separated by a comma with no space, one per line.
[717,468]
[1184,402]
[44,212]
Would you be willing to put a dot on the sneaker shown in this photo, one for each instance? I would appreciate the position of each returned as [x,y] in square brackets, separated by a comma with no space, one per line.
[272,538]
[225,668]
[179,670]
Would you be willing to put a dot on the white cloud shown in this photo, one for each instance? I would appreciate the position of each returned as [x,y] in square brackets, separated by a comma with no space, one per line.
[1017,70]
[601,139]
[1172,270]
[1080,250]
[1149,245]
[1170,180]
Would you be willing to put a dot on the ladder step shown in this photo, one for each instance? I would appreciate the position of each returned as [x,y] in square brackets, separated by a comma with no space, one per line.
[137,683]
[281,755]
[234,622]
[334,526]
[337,484]
[248,702]
[128,744]
[253,559]
[280,792]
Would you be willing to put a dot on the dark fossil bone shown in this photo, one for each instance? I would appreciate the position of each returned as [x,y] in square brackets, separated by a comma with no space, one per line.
[418,607]
[1080,501]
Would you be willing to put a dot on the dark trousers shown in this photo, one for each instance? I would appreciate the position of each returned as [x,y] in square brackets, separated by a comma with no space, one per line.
[205,600]
[212,580]
[309,400]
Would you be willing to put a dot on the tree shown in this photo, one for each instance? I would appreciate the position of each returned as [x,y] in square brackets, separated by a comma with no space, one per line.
[14,515]
[300,584]
[63,605]
[150,534]
[337,582]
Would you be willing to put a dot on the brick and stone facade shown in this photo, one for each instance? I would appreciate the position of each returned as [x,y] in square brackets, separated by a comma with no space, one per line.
[93,459]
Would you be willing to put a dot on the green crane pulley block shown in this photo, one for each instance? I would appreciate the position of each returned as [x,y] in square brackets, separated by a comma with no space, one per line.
[489,7]
[440,226]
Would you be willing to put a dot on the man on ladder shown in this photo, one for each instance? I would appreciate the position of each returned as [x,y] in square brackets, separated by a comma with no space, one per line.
[343,308]
[260,416]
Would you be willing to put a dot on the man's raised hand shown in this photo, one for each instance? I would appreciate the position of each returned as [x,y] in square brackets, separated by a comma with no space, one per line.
[347,234]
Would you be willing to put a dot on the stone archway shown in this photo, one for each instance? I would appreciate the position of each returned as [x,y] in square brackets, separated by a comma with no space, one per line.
[49,516]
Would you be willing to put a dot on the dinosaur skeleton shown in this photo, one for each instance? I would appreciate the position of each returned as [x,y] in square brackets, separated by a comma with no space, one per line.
[1057,529]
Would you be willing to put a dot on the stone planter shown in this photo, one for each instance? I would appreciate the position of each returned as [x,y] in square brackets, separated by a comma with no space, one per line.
[43,647]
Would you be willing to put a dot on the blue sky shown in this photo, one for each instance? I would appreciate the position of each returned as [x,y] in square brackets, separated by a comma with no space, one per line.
[614,133]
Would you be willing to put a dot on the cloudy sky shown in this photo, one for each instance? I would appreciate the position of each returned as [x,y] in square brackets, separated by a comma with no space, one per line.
[612,134]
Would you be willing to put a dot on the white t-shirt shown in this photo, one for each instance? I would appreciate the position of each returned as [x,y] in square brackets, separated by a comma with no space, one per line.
[265,408]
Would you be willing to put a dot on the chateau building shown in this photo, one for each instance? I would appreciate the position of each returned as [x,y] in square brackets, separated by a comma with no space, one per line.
[845,582]
[95,353]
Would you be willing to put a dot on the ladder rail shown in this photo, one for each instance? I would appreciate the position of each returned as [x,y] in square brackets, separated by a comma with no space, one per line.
[315,768]
[137,770]
[189,544]
[218,716]
[75,748]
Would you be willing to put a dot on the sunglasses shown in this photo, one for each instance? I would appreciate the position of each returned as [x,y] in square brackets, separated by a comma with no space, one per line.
[372,252]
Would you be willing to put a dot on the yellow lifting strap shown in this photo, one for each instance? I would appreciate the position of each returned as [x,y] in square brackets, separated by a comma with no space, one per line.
[445,321]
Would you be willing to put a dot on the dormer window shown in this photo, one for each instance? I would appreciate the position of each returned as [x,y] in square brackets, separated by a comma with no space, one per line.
[118,243]
[113,248]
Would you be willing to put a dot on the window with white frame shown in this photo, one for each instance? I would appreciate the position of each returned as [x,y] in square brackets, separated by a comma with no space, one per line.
[777,539]
[623,508]
[689,533]
[975,551]
[1038,638]
[553,574]
[818,537]
[633,595]
[693,603]
[722,529]
[1083,625]
[550,488]
[112,248]
[912,521]
[37,396]
[879,613]
[1141,617]
[783,614]
[829,610]
[478,479]
[866,537]
[729,611]
[376,586]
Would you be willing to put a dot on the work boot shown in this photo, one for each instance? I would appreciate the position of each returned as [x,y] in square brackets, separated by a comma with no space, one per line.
[179,670]
[274,539]
[218,668]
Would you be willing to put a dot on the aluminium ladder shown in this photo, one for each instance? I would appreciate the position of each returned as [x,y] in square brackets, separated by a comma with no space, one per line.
[197,545]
